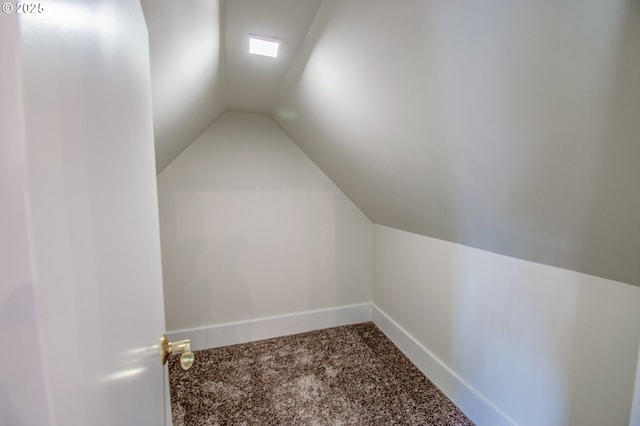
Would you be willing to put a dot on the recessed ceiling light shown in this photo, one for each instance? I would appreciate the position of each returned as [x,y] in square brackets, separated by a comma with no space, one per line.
[264,46]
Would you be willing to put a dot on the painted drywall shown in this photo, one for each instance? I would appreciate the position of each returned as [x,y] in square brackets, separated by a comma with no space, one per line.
[546,346]
[187,72]
[86,136]
[251,228]
[24,398]
[507,126]
[635,406]
[252,81]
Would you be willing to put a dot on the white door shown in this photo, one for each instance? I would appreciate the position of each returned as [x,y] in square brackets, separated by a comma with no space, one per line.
[81,302]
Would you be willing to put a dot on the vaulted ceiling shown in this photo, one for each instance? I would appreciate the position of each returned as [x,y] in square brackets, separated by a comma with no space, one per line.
[513,127]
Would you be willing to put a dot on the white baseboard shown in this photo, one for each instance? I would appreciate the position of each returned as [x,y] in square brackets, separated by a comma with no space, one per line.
[470,401]
[267,328]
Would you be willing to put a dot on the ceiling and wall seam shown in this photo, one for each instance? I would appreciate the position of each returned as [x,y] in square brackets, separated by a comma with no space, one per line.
[302,55]
[325,173]
[462,123]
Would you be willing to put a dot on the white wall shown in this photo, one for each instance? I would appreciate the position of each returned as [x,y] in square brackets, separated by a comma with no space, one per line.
[510,126]
[546,346]
[635,409]
[251,228]
[187,72]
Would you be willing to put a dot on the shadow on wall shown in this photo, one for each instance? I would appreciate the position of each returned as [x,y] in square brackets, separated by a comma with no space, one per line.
[230,284]
[545,345]
[615,184]
[615,175]
[193,256]
[18,320]
[190,55]
[199,259]
[551,346]
[540,134]
[251,228]
[512,336]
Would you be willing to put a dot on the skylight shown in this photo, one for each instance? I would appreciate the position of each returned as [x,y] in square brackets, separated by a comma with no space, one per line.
[264,46]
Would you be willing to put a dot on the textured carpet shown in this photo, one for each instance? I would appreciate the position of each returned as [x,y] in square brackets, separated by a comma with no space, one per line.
[350,375]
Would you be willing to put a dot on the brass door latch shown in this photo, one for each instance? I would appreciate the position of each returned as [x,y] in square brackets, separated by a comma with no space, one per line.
[182,347]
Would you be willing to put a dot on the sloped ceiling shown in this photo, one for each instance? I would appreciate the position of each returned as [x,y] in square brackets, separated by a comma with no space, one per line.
[509,126]
[201,67]
[187,72]
[253,81]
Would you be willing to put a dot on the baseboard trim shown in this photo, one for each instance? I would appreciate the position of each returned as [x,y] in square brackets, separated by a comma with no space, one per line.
[471,402]
[277,326]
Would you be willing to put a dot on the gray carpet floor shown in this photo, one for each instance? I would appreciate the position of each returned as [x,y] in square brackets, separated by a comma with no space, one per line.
[351,375]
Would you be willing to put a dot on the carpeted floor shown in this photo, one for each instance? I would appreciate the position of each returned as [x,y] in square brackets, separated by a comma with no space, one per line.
[350,375]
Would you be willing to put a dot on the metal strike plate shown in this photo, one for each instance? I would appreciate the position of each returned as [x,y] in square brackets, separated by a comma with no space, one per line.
[182,347]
